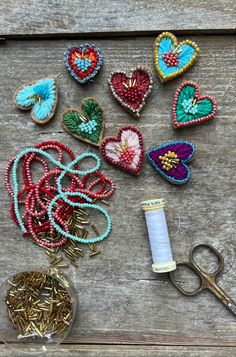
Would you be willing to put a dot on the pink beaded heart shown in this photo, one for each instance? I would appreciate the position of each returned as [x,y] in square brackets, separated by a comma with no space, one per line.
[125,151]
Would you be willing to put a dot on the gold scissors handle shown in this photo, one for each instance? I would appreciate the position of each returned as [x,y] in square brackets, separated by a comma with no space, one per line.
[207,280]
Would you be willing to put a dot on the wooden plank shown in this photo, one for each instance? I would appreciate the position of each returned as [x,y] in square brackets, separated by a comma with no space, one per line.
[130,351]
[120,300]
[57,18]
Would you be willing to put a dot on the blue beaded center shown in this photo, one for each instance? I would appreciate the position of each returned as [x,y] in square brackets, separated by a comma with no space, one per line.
[83,64]
[189,106]
[88,127]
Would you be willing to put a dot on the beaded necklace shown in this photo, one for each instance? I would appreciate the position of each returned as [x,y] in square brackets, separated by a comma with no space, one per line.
[47,206]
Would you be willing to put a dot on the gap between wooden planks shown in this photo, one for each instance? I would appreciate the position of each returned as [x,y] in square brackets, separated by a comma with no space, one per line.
[112,17]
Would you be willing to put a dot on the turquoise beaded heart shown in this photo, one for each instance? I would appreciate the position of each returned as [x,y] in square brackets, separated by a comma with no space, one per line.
[40,96]
[172,59]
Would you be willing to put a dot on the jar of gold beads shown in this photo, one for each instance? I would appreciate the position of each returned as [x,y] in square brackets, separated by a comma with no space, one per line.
[37,309]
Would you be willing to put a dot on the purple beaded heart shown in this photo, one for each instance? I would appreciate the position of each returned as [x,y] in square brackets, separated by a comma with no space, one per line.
[170,160]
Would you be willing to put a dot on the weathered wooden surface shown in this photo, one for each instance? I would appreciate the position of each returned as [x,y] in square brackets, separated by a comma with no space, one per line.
[115,17]
[120,300]
[131,351]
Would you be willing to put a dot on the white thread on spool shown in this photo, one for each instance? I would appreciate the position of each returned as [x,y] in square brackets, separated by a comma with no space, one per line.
[158,236]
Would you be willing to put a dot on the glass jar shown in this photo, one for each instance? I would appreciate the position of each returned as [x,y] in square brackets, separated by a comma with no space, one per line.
[37,309]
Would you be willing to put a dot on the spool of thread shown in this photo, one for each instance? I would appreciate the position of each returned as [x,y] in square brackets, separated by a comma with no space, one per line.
[158,236]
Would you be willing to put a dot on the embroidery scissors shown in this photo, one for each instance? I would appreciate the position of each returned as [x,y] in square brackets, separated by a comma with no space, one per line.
[207,280]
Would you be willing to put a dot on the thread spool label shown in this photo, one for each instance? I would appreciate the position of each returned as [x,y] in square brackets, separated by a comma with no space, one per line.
[164,267]
[153,204]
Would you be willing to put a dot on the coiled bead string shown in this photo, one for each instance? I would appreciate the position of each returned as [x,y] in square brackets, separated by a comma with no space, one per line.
[46,203]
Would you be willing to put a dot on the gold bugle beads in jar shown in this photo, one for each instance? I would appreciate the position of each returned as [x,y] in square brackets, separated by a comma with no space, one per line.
[39,304]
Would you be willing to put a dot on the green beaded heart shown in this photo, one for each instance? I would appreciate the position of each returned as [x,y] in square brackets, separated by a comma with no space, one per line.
[87,123]
[190,108]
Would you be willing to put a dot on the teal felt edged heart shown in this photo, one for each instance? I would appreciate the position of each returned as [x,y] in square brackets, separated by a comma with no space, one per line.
[171,58]
[189,108]
[171,160]
[40,96]
[86,123]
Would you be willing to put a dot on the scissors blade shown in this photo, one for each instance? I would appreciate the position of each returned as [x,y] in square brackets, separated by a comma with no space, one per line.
[231,306]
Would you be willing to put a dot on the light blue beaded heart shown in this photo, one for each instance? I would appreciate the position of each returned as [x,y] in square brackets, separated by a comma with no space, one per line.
[171,58]
[41,96]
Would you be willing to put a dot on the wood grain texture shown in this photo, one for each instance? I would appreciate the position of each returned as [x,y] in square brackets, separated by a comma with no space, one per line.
[58,17]
[120,300]
[130,351]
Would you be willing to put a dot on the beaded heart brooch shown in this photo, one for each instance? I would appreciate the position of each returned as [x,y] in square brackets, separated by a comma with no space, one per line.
[172,59]
[131,91]
[83,62]
[170,160]
[40,96]
[125,151]
[190,108]
[87,123]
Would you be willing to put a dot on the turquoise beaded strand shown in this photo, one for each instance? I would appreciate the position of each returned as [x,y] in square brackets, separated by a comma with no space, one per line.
[62,195]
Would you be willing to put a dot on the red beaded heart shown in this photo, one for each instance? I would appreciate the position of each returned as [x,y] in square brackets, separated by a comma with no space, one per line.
[131,92]
[125,151]
[83,62]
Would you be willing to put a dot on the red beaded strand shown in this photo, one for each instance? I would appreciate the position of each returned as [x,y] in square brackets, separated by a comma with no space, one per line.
[34,197]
